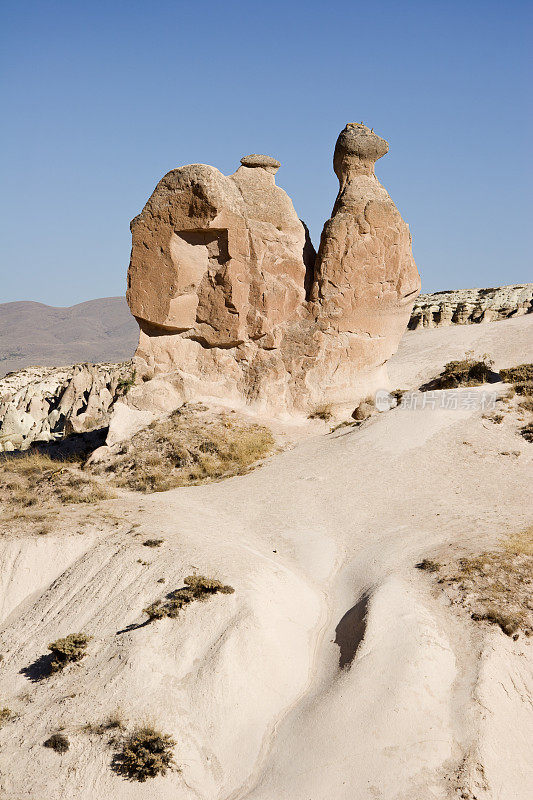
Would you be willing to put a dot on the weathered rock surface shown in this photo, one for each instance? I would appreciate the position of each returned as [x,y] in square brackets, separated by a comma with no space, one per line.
[45,403]
[469,306]
[233,303]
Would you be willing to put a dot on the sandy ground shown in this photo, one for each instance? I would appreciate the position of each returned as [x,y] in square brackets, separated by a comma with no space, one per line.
[336,671]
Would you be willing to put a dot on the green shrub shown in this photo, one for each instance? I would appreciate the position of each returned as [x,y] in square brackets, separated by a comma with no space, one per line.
[58,742]
[72,648]
[145,754]
[125,384]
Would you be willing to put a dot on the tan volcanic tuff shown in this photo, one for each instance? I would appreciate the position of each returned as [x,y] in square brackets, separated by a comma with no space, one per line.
[233,303]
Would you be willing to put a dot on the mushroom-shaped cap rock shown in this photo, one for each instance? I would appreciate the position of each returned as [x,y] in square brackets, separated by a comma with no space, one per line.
[358,143]
[256,160]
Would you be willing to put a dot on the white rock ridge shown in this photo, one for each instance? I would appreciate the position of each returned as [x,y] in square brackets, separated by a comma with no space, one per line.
[45,403]
[468,306]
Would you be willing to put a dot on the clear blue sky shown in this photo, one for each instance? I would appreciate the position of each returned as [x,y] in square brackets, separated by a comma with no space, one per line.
[100,99]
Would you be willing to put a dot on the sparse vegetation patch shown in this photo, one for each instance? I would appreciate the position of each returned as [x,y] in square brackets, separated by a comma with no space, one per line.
[6,715]
[527,432]
[428,565]
[521,374]
[111,724]
[494,586]
[68,650]
[465,372]
[190,446]
[145,754]
[33,487]
[58,742]
[323,412]
[125,384]
[197,587]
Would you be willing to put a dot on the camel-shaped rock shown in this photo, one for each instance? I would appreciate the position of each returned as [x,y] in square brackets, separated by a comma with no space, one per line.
[233,303]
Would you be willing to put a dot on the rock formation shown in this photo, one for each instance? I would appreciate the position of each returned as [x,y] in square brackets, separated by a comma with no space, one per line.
[232,302]
[45,403]
[468,306]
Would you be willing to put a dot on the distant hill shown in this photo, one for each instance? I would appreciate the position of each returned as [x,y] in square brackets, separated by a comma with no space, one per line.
[37,334]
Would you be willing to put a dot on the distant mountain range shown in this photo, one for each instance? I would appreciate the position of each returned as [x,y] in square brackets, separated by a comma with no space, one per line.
[37,334]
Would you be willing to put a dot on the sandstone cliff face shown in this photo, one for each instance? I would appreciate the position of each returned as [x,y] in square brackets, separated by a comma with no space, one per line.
[45,403]
[232,301]
[468,306]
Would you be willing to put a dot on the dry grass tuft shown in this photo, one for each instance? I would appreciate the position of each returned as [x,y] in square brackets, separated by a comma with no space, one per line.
[520,544]
[197,587]
[112,723]
[34,487]
[521,380]
[521,374]
[428,565]
[145,754]
[495,586]
[190,446]
[323,411]
[68,650]
[527,432]
[58,742]
[6,715]
[466,372]
[527,404]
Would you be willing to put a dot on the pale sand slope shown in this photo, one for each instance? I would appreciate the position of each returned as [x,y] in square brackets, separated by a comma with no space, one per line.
[433,705]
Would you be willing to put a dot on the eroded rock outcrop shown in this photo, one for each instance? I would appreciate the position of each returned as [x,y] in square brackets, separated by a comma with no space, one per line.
[471,306]
[42,404]
[232,302]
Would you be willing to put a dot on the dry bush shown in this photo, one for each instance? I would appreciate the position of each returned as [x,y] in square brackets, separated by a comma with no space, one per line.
[197,587]
[527,432]
[428,565]
[521,374]
[527,404]
[524,389]
[68,650]
[496,418]
[495,585]
[521,378]
[466,372]
[33,487]
[153,542]
[6,715]
[58,742]
[146,753]
[190,446]
[323,411]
